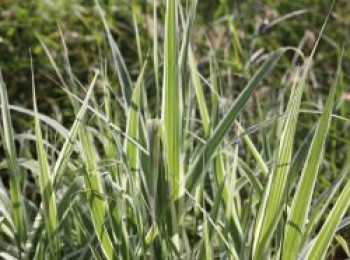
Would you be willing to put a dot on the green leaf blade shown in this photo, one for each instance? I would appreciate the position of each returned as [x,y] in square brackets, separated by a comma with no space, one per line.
[46,187]
[226,123]
[171,105]
[302,198]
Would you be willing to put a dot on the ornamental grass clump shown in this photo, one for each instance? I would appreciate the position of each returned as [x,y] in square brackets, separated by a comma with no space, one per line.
[160,162]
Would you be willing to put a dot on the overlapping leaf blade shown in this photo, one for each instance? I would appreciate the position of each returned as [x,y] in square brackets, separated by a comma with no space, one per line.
[303,195]
[10,151]
[202,160]
[46,188]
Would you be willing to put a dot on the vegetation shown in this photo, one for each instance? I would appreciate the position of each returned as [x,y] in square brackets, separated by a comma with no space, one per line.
[174,130]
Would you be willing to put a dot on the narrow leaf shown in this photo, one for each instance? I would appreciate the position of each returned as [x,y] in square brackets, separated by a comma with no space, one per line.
[46,187]
[303,195]
[226,123]
[171,106]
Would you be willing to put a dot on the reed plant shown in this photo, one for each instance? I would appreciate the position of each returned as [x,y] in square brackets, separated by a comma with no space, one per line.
[164,163]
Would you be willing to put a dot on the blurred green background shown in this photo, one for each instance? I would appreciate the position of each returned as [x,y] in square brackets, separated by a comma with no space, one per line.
[21,22]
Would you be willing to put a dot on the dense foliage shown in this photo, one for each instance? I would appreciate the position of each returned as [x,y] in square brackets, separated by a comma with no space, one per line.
[174,129]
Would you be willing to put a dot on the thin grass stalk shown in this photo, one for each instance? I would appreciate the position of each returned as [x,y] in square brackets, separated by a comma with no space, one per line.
[95,193]
[271,203]
[324,238]
[171,98]
[67,148]
[14,168]
[155,54]
[132,125]
[295,227]
[46,187]
[201,162]
[271,207]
